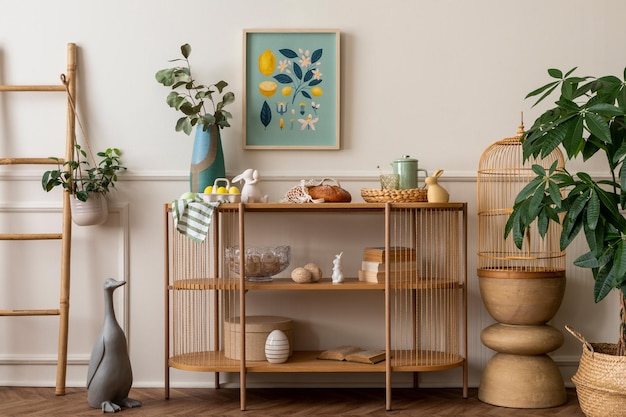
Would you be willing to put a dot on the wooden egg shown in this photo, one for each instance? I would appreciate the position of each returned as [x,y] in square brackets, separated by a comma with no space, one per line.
[316,271]
[301,275]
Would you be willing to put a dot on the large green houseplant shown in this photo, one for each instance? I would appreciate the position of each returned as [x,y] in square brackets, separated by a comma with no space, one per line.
[588,119]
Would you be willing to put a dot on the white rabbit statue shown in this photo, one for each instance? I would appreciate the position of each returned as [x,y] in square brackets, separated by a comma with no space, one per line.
[337,272]
[436,193]
[250,193]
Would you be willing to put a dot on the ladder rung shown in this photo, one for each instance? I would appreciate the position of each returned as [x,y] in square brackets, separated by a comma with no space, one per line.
[29,161]
[32,88]
[30,236]
[52,312]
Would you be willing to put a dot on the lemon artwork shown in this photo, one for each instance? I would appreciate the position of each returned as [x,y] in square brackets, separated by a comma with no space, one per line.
[268,88]
[267,63]
[291,81]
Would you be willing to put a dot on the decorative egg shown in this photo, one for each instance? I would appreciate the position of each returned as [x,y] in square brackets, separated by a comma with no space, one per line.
[301,275]
[277,347]
[316,271]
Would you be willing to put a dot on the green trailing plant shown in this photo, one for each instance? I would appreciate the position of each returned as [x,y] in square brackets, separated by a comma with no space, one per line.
[589,118]
[79,178]
[200,104]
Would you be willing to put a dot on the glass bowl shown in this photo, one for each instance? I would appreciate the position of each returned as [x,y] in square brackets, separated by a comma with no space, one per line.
[262,263]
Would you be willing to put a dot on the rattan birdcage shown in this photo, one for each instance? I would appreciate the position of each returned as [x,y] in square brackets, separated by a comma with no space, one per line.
[502,174]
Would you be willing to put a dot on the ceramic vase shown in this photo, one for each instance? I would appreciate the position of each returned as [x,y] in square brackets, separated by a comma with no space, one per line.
[277,347]
[207,158]
[92,212]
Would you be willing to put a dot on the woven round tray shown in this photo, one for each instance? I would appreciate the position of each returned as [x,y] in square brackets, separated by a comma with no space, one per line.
[374,195]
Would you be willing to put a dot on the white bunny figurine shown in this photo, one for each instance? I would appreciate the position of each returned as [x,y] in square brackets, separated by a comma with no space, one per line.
[250,193]
[337,272]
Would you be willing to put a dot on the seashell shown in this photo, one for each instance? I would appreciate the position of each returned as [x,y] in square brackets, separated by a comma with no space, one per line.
[316,271]
[301,275]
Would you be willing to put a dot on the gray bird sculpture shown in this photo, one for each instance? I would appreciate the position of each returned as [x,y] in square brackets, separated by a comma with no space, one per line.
[110,375]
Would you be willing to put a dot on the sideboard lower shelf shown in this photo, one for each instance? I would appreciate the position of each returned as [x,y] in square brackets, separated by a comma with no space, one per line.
[306,361]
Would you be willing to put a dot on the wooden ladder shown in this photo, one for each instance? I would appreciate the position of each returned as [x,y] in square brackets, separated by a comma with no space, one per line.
[68,87]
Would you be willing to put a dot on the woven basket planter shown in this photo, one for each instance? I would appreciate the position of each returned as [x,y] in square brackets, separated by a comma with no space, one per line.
[600,379]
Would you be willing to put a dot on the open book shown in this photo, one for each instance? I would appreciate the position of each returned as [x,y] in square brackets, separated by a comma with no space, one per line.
[353,354]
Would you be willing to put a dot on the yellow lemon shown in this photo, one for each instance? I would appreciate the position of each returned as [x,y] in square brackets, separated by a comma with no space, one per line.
[286,91]
[234,190]
[268,88]
[208,189]
[222,190]
[317,91]
[267,63]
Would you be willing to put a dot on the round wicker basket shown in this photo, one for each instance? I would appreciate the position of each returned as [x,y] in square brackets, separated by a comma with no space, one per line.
[600,379]
[412,195]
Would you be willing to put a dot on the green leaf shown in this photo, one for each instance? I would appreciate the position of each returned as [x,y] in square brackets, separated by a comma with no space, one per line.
[185,50]
[555,193]
[588,260]
[555,73]
[567,74]
[553,138]
[598,127]
[551,86]
[609,209]
[619,263]
[622,178]
[529,189]
[221,85]
[573,142]
[539,170]
[573,222]
[593,211]
[605,109]
[605,282]
[542,223]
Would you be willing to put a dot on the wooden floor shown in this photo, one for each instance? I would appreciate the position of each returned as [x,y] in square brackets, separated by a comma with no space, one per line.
[274,402]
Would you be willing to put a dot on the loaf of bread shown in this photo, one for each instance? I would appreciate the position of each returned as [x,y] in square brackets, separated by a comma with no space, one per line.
[330,193]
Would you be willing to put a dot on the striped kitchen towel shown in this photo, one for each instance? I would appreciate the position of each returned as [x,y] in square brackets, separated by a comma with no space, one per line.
[192,218]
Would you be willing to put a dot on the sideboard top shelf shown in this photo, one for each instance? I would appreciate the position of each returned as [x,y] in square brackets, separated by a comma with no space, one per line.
[310,207]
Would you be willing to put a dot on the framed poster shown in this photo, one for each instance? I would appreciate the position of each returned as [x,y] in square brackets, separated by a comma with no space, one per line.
[291,89]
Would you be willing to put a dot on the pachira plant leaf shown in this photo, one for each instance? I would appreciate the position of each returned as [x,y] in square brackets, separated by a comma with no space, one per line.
[593,210]
[598,126]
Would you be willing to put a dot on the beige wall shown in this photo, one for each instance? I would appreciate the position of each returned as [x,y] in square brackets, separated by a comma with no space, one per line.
[439,80]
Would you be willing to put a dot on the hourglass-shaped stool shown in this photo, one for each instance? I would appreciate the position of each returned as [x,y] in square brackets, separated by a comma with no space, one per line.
[521,374]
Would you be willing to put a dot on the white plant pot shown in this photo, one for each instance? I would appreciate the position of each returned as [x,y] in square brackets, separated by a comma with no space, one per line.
[92,212]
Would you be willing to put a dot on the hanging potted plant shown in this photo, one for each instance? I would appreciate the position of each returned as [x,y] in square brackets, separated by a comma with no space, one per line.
[589,119]
[86,184]
[203,109]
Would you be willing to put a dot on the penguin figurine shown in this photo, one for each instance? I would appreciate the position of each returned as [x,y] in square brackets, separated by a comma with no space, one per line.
[110,376]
